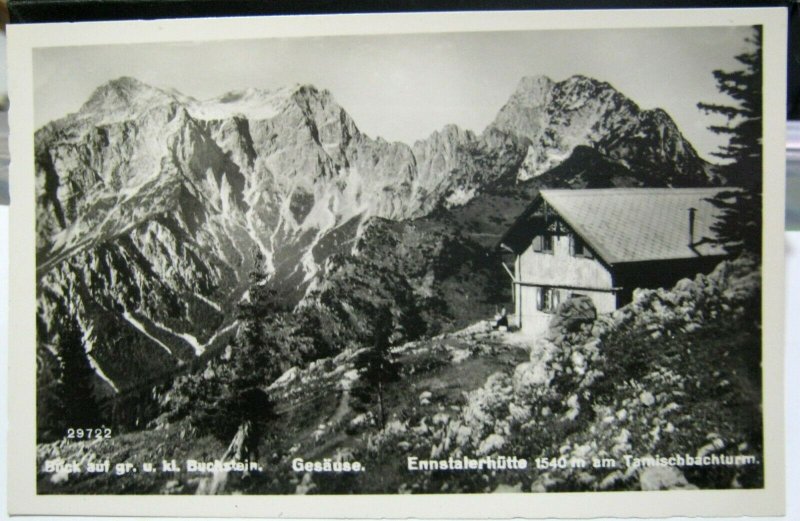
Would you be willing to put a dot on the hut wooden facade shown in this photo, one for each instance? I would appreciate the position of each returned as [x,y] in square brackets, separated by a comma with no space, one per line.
[604,243]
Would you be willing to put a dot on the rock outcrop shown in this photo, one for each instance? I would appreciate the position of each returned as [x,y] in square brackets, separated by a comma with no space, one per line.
[571,314]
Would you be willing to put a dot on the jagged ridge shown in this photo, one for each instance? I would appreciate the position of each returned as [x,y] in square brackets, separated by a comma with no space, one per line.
[150,202]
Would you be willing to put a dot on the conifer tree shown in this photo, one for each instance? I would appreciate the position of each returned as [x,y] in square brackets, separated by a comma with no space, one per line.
[743,117]
[238,406]
[376,366]
[254,357]
[739,226]
[74,390]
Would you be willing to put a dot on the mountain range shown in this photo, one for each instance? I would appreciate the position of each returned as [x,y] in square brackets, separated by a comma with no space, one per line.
[151,206]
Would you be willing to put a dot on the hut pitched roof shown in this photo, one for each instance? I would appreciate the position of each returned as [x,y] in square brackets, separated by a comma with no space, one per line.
[624,225]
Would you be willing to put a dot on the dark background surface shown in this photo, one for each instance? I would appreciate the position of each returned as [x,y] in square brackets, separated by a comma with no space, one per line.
[64,10]
[793,76]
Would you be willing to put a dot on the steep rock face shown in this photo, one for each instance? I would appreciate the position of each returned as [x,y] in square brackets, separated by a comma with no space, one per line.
[151,203]
[558,116]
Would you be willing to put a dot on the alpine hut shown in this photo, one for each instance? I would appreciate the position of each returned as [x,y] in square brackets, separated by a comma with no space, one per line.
[604,243]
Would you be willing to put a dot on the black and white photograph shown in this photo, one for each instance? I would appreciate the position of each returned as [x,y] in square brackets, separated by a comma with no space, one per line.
[449,262]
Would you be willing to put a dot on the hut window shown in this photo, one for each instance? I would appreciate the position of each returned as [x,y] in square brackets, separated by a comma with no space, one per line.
[543,243]
[578,247]
[547,299]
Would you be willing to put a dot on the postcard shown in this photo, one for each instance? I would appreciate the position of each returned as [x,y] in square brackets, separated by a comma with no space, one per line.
[493,264]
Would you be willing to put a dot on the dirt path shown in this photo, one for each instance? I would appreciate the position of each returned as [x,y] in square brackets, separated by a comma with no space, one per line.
[342,409]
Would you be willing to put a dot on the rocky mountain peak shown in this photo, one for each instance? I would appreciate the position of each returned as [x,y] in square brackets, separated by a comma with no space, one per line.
[660,117]
[580,111]
[585,82]
[448,133]
[533,90]
[124,98]
[329,124]
[125,87]
[307,90]
[580,92]
[169,195]
[308,95]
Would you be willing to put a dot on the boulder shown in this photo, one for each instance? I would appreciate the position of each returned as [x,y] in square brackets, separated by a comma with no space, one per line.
[663,478]
[571,315]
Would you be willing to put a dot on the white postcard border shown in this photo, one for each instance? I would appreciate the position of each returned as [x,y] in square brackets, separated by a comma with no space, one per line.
[22,497]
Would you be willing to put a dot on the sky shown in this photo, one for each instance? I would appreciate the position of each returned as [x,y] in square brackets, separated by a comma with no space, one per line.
[404,87]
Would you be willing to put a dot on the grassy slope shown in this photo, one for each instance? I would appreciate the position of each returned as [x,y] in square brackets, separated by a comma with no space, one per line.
[674,372]
[306,407]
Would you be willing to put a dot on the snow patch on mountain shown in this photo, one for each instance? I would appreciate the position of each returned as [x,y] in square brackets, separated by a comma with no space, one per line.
[192,341]
[138,325]
[208,301]
[88,345]
[99,371]
[252,103]
[227,329]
